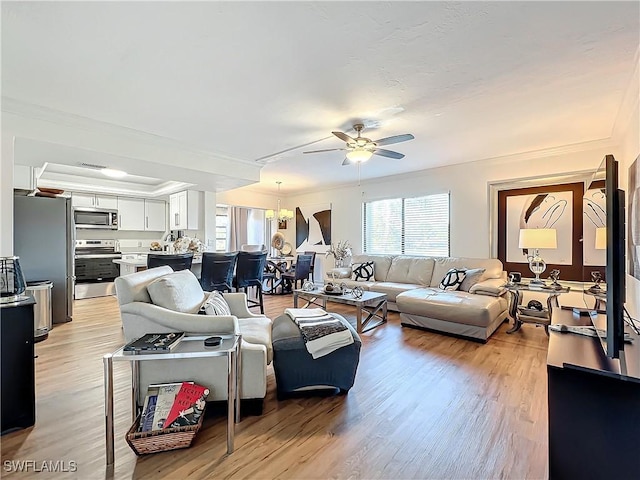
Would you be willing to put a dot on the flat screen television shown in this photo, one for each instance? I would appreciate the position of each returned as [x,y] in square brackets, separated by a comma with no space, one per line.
[615,255]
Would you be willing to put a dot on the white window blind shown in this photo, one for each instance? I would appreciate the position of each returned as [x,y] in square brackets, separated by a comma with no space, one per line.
[222,223]
[412,226]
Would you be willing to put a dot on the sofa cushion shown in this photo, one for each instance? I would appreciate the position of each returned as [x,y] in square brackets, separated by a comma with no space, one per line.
[457,307]
[408,269]
[178,291]
[352,283]
[363,272]
[215,304]
[382,264]
[257,330]
[452,279]
[471,277]
[133,287]
[493,267]
[393,289]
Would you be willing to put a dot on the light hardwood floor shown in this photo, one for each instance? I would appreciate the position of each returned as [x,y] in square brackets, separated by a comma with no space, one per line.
[423,406]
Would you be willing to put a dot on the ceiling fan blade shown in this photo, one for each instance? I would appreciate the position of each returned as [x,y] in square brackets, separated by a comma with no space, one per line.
[388,153]
[325,150]
[394,139]
[346,161]
[344,137]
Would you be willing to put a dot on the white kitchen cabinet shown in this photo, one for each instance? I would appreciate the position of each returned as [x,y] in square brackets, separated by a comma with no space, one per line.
[131,214]
[23,177]
[94,201]
[83,199]
[184,210]
[105,201]
[155,212]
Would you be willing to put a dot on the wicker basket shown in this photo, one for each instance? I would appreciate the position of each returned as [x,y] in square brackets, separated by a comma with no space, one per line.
[143,443]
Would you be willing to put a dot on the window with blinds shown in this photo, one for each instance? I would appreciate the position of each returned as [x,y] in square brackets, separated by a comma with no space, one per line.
[222,225]
[412,226]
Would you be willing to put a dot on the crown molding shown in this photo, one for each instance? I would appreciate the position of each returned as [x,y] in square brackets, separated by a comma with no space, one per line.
[165,188]
[38,112]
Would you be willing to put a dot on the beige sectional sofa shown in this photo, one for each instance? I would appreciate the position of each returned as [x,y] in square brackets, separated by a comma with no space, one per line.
[412,287]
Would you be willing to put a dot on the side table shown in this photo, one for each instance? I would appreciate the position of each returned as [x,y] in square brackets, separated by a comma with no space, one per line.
[600,297]
[189,347]
[521,314]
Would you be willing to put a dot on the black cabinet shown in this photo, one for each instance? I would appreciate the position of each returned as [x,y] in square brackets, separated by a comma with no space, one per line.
[17,366]
[594,407]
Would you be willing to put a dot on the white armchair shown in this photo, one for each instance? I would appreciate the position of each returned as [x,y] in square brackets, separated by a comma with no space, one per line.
[140,316]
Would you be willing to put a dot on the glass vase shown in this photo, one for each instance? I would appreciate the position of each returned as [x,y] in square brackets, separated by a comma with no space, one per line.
[339,263]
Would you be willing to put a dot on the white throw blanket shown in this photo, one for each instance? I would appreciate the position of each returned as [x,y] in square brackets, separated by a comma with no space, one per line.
[321,332]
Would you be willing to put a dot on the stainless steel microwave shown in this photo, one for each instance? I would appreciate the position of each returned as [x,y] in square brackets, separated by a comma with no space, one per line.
[98,218]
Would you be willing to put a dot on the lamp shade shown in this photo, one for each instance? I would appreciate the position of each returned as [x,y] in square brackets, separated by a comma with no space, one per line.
[269,214]
[359,154]
[538,238]
[601,238]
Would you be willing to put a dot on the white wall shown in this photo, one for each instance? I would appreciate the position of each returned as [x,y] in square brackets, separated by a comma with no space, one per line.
[6,197]
[245,197]
[468,184]
[629,151]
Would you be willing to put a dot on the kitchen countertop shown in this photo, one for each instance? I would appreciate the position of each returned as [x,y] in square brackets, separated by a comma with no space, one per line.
[140,259]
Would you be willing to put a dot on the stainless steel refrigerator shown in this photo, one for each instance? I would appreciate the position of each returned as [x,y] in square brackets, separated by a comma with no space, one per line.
[44,238]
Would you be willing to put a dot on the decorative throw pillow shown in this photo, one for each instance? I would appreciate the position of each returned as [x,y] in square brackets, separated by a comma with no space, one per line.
[471,277]
[215,304]
[362,272]
[452,279]
[178,291]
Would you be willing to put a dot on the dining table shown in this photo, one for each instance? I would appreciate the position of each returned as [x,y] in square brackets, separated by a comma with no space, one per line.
[274,269]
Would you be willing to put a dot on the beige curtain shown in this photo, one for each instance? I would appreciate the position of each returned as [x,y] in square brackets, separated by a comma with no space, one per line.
[237,234]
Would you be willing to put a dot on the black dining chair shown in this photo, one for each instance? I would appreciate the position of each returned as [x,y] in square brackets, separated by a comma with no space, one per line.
[177,261]
[300,273]
[313,261]
[217,271]
[249,273]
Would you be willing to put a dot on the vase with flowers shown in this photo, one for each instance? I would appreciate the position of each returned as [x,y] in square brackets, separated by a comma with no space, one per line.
[340,252]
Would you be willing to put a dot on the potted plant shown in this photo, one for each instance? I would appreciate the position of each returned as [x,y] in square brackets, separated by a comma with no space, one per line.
[340,251]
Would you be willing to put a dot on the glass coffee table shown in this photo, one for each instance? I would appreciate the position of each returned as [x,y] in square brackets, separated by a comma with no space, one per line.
[189,347]
[373,303]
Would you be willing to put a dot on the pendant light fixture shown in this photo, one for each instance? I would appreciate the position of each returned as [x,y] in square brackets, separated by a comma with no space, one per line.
[282,214]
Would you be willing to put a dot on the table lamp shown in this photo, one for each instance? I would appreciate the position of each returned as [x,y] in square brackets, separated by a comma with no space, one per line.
[537,238]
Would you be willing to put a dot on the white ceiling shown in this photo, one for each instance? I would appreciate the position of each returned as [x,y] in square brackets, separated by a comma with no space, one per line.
[247,80]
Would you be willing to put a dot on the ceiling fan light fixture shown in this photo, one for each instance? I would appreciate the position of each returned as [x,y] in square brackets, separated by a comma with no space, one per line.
[109,172]
[359,155]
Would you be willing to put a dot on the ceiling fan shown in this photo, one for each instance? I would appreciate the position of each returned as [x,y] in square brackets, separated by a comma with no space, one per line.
[360,149]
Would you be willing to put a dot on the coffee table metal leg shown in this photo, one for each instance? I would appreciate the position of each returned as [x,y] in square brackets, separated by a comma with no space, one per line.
[295,300]
[359,319]
[108,407]
[373,312]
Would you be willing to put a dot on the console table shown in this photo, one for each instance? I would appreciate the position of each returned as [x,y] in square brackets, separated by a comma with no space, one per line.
[189,347]
[594,405]
[522,315]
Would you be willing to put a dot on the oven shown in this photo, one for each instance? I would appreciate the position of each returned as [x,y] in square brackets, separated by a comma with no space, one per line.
[95,218]
[94,268]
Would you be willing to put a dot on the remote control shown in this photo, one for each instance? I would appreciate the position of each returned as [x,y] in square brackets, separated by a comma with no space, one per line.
[212,341]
